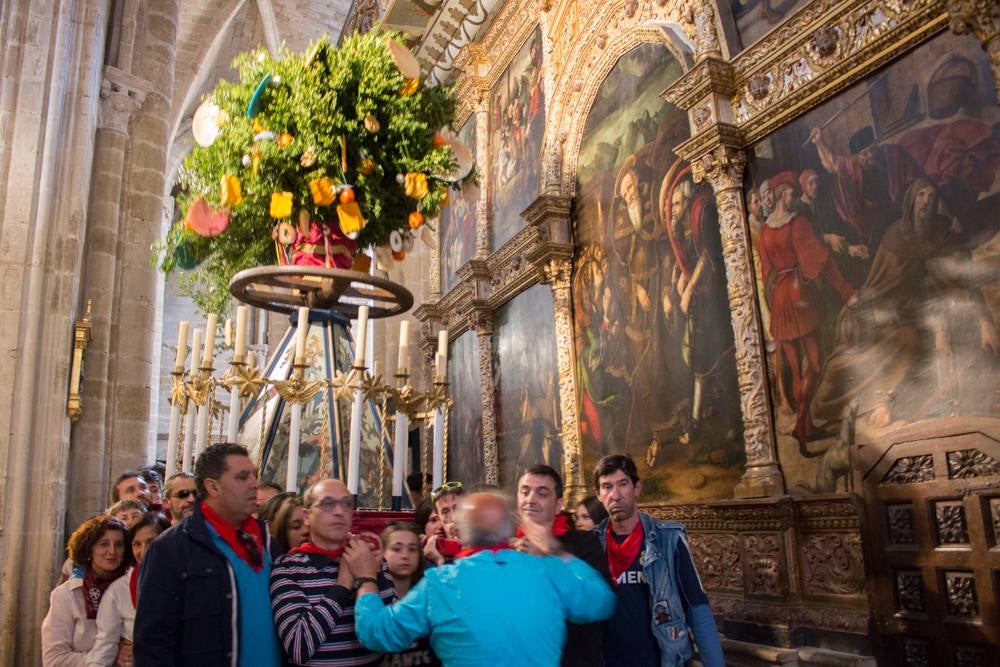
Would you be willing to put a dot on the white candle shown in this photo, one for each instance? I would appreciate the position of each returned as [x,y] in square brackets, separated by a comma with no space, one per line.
[242,323]
[233,425]
[209,351]
[361,341]
[182,343]
[442,367]
[294,428]
[301,332]
[437,463]
[195,349]
[227,333]
[188,450]
[404,346]
[354,453]
[443,342]
[399,455]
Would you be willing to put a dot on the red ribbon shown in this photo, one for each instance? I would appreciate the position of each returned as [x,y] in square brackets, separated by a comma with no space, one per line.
[559,527]
[227,532]
[310,548]
[474,550]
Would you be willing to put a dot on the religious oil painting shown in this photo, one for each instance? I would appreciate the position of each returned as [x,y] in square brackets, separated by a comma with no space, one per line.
[876,247]
[655,362]
[753,19]
[458,219]
[528,419]
[517,122]
[465,422]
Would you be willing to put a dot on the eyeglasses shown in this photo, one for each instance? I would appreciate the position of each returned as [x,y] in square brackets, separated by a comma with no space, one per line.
[249,543]
[445,489]
[328,504]
[183,494]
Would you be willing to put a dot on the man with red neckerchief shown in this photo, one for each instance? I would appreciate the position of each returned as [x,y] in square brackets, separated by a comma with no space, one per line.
[493,605]
[312,588]
[203,586]
[539,501]
[662,609]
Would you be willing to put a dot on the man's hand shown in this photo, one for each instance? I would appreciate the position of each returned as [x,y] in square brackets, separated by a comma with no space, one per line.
[816,135]
[360,558]
[345,577]
[124,657]
[642,296]
[540,538]
[860,251]
[853,300]
[835,241]
[431,552]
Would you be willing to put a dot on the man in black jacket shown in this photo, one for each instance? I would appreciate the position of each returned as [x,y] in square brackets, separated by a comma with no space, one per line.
[203,586]
[539,501]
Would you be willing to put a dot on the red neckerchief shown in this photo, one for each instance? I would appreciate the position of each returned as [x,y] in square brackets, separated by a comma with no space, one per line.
[559,527]
[310,548]
[228,534]
[94,587]
[621,556]
[474,550]
[133,585]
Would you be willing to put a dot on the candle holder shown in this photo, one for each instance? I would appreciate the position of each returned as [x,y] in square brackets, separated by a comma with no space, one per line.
[296,390]
[201,385]
[243,377]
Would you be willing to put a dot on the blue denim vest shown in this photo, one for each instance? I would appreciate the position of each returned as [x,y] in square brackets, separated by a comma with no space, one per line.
[659,568]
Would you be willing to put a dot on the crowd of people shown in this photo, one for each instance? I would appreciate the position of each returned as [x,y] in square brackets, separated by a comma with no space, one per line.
[216,568]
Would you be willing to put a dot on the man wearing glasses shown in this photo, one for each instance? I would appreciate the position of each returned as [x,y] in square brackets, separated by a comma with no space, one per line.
[203,585]
[180,496]
[312,588]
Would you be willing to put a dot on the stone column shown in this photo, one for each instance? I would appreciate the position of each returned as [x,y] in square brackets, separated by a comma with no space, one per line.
[134,368]
[484,214]
[119,101]
[48,106]
[482,324]
[982,18]
[723,168]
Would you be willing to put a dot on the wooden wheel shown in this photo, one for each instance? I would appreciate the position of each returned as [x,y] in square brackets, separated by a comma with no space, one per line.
[284,289]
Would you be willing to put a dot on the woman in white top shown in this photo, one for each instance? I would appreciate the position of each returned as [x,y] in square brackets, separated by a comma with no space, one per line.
[69,629]
[116,616]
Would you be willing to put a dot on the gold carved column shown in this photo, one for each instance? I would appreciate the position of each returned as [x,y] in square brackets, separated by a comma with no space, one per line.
[982,18]
[482,324]
[559,274]
[722,167]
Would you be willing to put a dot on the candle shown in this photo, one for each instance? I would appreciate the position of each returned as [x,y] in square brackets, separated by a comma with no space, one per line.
[301,332]
[399,459]
[209,351]
[443,342]
[354,446]
[182,343]
[403,362]
[442,367]
[294,429]
[361,341]
[195,349]
[242,322]
[227,332]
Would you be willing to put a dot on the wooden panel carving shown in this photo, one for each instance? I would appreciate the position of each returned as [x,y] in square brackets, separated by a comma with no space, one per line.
[967,463]
[832,563]
[717,557]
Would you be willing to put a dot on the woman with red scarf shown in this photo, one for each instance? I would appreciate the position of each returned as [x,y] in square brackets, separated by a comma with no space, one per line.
[116,615]
[70,627]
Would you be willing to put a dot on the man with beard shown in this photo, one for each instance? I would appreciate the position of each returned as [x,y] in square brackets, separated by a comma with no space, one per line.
[180,496]
[916,299]
[693,228]
[638,246]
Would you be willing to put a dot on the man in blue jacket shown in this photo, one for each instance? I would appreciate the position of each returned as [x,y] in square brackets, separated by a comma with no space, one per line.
[203,584]
[493,605]
[661,602]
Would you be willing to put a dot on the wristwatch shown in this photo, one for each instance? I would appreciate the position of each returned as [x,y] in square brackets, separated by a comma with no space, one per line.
[361,581]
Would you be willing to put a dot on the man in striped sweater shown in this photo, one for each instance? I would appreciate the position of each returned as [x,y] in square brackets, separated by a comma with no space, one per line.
[312,589]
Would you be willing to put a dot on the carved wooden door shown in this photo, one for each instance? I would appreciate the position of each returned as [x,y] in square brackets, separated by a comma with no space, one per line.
[932,520]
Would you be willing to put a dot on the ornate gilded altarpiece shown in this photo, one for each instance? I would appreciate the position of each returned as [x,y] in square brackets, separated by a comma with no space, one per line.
[792,523]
